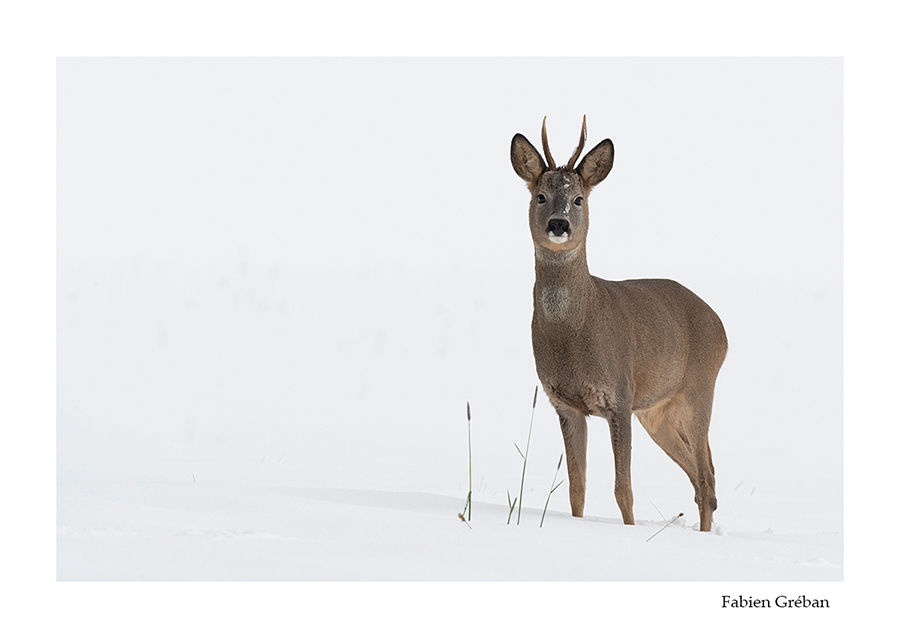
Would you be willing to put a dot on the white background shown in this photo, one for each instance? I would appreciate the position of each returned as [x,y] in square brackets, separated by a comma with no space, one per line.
[323,260]
[191,278]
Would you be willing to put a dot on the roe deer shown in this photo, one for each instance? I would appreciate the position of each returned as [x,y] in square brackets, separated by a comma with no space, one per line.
[648,347]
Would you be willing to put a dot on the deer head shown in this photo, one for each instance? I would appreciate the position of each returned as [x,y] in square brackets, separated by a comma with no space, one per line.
[559,211]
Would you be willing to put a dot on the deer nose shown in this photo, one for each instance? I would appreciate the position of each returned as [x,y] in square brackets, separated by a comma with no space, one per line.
[558,227]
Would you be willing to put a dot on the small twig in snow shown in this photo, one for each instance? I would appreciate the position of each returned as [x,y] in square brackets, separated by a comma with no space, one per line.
[657,509]
[512,506]
[552,489]
[525,456]
[468,508]
[666,525]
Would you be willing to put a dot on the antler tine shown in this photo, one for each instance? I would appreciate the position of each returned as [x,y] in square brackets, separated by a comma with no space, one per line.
[571,163]
[550,161]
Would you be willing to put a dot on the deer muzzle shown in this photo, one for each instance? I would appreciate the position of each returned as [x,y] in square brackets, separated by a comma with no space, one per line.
[558,230]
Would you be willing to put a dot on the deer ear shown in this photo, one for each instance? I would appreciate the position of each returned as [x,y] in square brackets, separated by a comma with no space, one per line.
[597,164]
[526,161]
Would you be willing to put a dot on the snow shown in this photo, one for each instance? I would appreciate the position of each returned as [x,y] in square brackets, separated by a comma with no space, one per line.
[272,308]
[238,519]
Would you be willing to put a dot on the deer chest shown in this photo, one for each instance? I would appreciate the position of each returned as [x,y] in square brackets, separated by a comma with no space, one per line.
[574,381]
[583,397]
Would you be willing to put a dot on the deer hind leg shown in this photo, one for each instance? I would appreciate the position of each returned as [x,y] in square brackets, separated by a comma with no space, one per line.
[620,435]
[574,431]
[680,427]
[698,432]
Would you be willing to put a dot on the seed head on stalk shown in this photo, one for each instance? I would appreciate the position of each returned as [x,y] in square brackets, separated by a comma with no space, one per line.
[468,508]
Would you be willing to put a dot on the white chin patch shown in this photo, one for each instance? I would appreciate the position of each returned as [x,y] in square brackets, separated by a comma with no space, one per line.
[558,239]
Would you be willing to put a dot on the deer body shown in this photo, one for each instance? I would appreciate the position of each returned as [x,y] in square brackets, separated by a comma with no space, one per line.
[648,347]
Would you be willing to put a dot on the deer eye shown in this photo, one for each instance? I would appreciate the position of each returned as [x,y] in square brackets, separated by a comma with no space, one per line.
[541,199]
[579,201]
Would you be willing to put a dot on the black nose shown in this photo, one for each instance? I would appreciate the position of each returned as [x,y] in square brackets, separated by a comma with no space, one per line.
[558,227]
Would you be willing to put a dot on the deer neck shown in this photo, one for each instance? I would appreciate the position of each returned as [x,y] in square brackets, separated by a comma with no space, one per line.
[562,288]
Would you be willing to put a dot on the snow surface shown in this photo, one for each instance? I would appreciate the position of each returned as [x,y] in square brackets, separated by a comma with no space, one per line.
[281,280]
[232,519]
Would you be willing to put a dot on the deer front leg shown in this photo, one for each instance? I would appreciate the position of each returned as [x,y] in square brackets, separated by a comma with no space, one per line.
[620,433]
[574,431]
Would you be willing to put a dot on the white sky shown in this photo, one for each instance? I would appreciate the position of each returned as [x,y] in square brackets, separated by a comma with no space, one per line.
[349,232]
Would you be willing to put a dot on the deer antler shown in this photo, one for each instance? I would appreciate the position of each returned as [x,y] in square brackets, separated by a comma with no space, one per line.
[571,163]
[550,161]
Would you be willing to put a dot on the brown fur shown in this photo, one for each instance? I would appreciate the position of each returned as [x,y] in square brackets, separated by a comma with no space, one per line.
[648,347]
